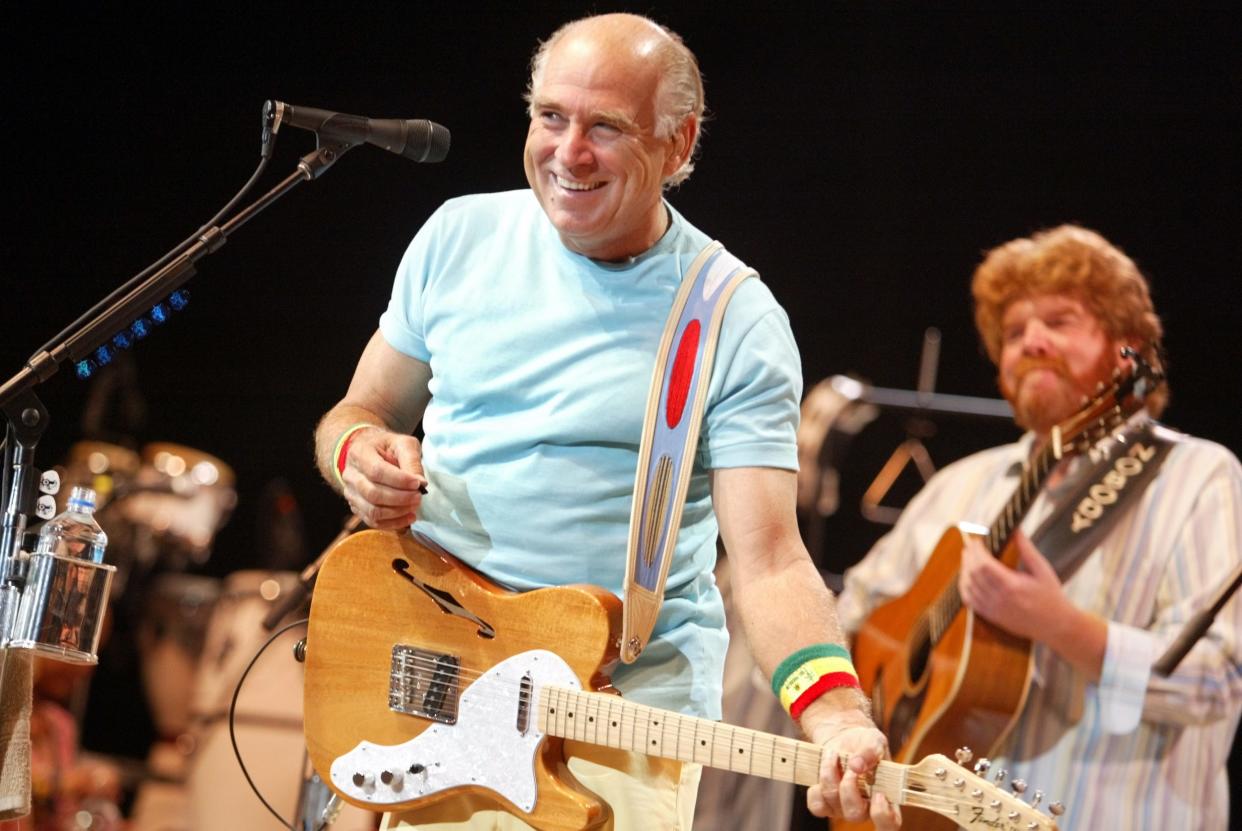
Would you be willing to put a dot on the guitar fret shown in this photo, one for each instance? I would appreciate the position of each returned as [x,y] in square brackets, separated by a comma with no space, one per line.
[614,725]
[633,732]
[733,759]
[682,753]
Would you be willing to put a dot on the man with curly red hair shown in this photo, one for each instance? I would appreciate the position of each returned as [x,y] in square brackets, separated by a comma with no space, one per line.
[1110,579]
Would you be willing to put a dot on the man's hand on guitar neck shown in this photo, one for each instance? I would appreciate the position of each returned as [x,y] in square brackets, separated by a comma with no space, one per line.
[1030,602]
[383,480]
[848,735]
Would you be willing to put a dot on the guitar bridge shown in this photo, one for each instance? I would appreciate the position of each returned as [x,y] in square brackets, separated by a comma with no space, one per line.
[424,683]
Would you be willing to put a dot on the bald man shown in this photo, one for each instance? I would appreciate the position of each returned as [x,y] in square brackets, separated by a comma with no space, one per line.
[522,331]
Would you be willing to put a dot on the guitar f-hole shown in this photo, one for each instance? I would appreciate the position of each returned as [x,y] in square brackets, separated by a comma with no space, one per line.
[448,604]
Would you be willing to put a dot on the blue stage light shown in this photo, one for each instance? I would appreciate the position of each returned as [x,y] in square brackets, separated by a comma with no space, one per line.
[159,314]
[103,355]
[84,368]
[122,339]
[178,299]
[140,328]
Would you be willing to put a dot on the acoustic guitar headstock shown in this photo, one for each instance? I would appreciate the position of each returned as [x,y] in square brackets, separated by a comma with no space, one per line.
[1109,409]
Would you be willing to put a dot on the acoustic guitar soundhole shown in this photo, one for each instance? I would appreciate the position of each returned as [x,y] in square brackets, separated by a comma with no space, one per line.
[905,715]
[920,653]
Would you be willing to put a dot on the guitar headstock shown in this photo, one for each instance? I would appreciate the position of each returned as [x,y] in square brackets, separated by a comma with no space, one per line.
[970,800]
[1109,409]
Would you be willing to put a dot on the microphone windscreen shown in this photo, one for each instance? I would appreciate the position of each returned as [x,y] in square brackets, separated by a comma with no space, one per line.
[426,141]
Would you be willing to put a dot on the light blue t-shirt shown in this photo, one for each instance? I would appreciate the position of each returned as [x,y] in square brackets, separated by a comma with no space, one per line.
[541,361]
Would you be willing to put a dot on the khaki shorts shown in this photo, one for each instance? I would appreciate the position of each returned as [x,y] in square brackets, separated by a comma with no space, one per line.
[646,794]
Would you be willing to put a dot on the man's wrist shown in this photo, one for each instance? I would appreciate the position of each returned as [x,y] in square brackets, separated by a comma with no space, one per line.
[834,711]
[341,451]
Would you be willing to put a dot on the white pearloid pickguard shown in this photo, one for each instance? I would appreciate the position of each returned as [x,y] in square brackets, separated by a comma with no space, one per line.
[484,748]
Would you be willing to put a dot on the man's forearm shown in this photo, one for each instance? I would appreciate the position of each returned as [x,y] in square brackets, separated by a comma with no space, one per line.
[784,610]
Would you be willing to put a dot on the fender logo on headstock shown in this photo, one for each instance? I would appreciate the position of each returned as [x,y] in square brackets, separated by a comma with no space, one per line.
[977,818]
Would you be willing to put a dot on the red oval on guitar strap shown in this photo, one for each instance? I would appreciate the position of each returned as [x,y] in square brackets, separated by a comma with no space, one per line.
[682,374]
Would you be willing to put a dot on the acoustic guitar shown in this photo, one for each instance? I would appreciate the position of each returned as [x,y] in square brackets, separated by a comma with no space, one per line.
[937,675]
[430,689]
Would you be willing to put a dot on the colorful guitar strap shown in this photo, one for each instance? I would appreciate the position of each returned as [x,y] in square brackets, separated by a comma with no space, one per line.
[675,405]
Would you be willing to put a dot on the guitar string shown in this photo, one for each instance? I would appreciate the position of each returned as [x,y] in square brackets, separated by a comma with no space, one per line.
[760,757]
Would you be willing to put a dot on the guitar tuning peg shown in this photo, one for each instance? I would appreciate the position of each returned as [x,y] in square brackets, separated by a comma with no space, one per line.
[1000,776]
[1056,809]
[981,766]
[963,755]
[1038,798]
[1019,786]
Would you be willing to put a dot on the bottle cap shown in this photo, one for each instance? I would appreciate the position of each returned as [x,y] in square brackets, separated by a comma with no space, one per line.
[82,498]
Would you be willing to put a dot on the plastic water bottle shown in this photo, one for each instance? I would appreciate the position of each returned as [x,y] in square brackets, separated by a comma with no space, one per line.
[74,532]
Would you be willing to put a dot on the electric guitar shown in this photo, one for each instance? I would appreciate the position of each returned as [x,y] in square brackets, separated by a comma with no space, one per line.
[937,675]
[431,690]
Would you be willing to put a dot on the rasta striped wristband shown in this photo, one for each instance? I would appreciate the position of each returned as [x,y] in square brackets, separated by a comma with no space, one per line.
[809,673]
[341,451]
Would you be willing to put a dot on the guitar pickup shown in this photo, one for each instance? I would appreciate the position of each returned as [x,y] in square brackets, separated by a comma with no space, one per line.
[424,683]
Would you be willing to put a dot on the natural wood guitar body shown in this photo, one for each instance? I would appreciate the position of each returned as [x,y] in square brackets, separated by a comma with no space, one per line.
[966,690]
[348,665]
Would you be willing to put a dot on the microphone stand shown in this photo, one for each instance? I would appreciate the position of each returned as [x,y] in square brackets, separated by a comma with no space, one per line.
[1197,626]
[27,417]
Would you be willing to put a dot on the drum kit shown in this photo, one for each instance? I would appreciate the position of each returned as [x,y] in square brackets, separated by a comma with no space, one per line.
[195,637]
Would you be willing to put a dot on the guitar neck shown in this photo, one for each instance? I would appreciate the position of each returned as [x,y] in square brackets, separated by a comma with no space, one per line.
[1033,477]
[610,721]
[945,607]
[935,784]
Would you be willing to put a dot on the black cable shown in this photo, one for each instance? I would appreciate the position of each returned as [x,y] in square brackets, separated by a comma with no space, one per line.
[233,710]
[146,272]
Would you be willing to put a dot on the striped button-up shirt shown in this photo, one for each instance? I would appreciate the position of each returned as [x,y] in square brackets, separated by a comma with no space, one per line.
[1133,751]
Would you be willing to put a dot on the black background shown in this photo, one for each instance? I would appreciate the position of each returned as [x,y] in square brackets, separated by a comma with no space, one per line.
[861,156]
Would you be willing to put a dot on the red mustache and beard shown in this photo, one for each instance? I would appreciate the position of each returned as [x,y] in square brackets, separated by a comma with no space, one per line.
[1039,404]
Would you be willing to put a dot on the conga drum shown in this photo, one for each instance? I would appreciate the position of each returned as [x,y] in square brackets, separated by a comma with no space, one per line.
[268,720]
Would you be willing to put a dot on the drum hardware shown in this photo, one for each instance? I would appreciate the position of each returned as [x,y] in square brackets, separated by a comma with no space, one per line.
[318,807]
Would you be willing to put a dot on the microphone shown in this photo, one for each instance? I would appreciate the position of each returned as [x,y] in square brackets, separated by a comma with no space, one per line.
[415,138]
